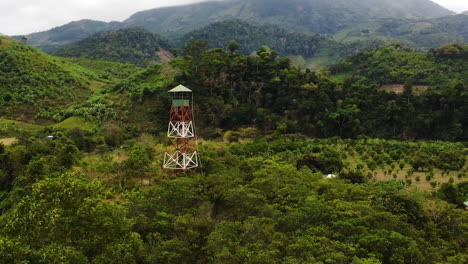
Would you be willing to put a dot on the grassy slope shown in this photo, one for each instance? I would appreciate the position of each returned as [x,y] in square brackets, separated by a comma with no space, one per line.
[74,122]
[37,87]
[33,81]
[106,71]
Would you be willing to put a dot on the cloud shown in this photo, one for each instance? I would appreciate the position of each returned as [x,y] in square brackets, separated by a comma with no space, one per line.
[26,16]
[454,5]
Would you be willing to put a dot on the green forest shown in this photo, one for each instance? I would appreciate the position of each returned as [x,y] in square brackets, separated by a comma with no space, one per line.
[82,143]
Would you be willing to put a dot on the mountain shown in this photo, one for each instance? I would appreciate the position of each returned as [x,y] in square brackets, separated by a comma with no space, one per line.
[318,16]
[68,33]
[135,46]
[32,81]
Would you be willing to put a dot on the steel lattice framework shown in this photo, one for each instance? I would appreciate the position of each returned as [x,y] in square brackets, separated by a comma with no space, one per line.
[181,151]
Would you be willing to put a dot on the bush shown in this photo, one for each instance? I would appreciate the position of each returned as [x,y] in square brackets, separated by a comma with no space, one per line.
[328,161]
[354,177]
[231,136]
[248,132]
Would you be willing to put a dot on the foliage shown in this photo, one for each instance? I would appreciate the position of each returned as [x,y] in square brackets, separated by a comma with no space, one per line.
[392,65]
[250,205]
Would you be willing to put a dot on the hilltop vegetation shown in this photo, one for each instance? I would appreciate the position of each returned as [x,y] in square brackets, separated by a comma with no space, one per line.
[134,46]
[236,90]
[233,91]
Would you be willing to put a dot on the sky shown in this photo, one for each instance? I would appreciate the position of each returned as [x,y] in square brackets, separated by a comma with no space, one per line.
[19,17]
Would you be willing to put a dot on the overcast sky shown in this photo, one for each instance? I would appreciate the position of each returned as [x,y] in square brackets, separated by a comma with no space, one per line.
[26,16]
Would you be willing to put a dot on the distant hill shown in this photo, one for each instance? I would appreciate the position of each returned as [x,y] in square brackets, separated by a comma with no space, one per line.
[252,37]
[284,41]
[427,33]
[68,33]
[32,81]
[317,16]
[135,46]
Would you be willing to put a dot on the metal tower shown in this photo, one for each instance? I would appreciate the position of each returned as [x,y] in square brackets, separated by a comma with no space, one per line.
[181,151]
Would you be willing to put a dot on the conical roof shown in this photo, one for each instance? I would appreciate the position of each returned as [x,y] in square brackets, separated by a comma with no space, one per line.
[180,89]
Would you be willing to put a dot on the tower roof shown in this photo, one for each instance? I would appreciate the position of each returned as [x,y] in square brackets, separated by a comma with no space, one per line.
[180,89]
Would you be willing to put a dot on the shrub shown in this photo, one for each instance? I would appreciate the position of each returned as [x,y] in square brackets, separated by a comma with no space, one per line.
[355,177]
[231,136]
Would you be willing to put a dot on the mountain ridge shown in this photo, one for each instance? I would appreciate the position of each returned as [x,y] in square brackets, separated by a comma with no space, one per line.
[310,15]
[318,16]
[67,33]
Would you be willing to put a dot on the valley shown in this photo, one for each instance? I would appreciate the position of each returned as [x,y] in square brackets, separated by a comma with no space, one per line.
[327,132]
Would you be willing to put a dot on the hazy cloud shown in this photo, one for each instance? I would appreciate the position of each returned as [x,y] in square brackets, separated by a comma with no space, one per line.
[454,5]
[27,16]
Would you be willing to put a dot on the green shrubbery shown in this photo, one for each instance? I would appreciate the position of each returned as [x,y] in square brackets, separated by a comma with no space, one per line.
[256,201]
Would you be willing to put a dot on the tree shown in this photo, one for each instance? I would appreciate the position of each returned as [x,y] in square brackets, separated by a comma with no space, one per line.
[353,176]
[233,46]
[137,162]
[67,215]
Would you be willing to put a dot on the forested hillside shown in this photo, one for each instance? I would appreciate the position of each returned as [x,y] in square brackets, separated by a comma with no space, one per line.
[439,68]
[317,16]
[134,46]
[234,91]
[285,42]
[426,33]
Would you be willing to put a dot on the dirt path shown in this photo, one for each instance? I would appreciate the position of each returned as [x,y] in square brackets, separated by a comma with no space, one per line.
[399,88]
[7,141]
